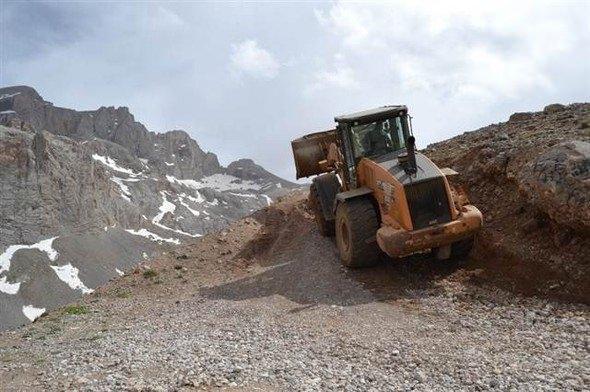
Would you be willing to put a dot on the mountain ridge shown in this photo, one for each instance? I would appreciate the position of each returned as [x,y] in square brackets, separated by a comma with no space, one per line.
[114,124]
[108,193]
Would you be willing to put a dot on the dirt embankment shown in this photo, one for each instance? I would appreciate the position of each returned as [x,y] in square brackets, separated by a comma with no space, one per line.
[530,176]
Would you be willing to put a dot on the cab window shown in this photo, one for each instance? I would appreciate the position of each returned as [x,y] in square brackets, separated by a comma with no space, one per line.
[379,137]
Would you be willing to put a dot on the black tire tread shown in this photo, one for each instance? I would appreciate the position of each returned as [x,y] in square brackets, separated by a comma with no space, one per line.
[326,228]
[364,223]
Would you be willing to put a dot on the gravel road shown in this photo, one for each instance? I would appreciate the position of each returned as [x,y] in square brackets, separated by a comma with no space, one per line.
[266,306]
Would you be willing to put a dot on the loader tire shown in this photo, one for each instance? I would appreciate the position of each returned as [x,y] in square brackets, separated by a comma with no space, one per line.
[357,223]
[461,249]
[325,227]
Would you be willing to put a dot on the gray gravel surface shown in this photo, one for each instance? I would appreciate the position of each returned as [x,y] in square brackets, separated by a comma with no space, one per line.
[216,318]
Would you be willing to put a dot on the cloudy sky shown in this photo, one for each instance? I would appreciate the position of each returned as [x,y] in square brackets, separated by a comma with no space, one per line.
[246,78]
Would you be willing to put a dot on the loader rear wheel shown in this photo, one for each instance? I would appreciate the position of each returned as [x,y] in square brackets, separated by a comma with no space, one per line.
[325,227]
[357,223]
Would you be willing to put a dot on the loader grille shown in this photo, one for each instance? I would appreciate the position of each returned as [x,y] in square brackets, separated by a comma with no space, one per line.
[428,203]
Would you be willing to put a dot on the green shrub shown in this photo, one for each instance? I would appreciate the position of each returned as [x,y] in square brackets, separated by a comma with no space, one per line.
[76,309]
[123,294]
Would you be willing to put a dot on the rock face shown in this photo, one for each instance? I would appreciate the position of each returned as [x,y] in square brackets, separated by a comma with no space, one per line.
[109,191]
[111,124]
[530,176]
[51,186]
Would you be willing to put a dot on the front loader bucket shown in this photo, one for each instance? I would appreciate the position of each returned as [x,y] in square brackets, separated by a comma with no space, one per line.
[309,150]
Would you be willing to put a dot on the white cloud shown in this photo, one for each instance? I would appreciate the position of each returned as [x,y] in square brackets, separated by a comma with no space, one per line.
[353,22]
[335,75]
[457,65]
[162,18]
[341,77]
[473,50]
[248,58]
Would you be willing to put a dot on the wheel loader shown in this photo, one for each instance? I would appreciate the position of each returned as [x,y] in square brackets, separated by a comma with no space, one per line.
[377,194]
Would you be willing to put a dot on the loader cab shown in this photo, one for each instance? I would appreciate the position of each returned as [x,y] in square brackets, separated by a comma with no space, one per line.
[372,134]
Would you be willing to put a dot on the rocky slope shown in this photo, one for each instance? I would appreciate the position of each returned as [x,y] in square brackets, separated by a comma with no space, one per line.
[87,195]
[265,305]
[531,178]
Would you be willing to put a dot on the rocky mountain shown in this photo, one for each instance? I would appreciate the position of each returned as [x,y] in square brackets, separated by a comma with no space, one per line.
[86,195]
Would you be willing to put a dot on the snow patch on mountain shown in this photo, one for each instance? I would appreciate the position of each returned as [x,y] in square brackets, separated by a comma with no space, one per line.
[69,275]
[43,245]
[219,182]
[185,205]
[198,199]
[6,96]
[32,313]
[125,192]
[153,237]
[111,164]
[168,207]
[7,287]
[267,198]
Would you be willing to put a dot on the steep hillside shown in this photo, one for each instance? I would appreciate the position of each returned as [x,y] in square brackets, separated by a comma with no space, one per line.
[531,178]
[96,193]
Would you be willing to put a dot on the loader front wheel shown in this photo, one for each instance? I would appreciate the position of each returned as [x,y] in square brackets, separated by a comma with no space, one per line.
[461,249]
[325,227]
[357,223]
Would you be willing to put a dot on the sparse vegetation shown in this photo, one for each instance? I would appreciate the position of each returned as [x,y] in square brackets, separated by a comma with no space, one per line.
[123,294]
[39,360]
[76,309]
[54,328]
[149,274]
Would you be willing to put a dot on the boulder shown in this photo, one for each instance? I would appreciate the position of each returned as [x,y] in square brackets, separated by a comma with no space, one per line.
[553,108]
[558,183]
[521,116]
[584,122]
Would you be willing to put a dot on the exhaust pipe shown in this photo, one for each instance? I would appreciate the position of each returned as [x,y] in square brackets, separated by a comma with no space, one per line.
[411,167]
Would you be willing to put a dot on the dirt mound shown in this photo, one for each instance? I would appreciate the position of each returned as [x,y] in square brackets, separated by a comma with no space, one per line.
[530,176]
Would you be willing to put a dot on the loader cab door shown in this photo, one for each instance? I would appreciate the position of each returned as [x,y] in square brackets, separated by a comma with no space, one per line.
[343,130]
[371,139]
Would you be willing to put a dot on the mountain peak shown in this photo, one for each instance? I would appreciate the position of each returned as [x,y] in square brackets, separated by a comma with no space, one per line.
[25,90]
